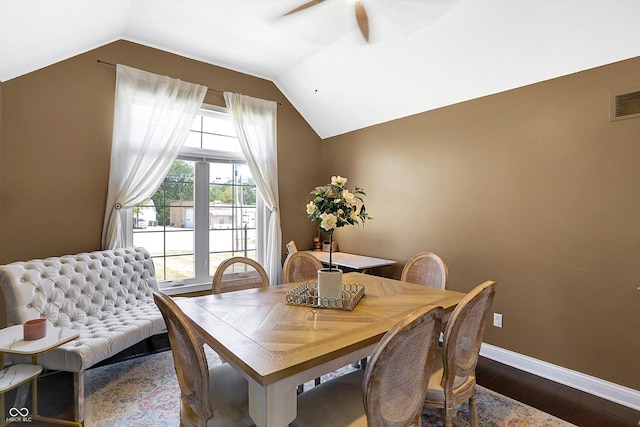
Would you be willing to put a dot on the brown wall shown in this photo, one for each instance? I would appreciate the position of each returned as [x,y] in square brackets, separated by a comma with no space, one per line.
[56,125]
[533,188]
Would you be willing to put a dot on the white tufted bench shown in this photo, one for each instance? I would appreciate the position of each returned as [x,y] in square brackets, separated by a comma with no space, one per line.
[106,296]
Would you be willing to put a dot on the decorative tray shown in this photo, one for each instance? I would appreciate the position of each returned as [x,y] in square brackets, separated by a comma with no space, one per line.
[307,294]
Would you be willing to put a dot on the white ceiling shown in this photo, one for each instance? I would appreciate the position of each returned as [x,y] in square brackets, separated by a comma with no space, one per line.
[423,54]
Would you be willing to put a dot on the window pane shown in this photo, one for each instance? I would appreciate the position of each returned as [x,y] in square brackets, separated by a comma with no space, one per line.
[222,143]
[220,241]
[243,175]
[251,239]
[193,140]
[215,259]
[197,124]
[218,126]
[152,239]
[232,213]
[174,267]
[164,223]
[178,242]
[221,173]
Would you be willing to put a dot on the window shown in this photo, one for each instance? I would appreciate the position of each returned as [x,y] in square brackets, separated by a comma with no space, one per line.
[205,209]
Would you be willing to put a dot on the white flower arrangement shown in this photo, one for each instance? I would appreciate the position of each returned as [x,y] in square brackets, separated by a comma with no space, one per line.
[334,206]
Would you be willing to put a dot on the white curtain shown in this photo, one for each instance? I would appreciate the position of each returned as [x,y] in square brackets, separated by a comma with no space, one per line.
[152,118]
[255,123]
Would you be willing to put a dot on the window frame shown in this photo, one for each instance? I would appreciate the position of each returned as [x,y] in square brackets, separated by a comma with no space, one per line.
[202,159]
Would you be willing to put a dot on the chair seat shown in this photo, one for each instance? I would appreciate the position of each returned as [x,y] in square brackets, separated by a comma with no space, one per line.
[231,405]
[231,391]
[337,402]
[435,393]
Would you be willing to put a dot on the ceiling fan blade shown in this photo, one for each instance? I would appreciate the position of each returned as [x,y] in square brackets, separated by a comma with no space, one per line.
[304,6]
[362,19]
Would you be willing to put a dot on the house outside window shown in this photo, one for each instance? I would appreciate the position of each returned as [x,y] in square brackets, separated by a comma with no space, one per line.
[205,209]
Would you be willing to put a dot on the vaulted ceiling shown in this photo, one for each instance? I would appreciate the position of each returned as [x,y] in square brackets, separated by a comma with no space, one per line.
[422,54]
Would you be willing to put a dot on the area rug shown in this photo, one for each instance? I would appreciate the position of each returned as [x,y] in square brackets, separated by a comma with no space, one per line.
[144,392]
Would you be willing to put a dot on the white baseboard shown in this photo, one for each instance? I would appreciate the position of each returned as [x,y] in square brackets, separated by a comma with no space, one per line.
[592,385]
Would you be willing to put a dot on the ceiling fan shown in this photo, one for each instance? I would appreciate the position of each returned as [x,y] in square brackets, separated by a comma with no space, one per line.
[361,15]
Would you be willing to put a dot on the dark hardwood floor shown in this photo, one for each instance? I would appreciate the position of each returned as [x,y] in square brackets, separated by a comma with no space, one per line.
[582,409]
[577,407]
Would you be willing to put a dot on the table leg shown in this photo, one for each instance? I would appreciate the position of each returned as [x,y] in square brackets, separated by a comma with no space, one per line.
[273,405]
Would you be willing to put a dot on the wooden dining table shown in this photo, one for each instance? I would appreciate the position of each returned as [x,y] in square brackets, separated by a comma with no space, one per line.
[278,346]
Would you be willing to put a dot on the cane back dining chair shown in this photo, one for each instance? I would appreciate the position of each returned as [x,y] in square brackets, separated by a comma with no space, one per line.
[300,266]
[236,273]
[453,380]
[390,392]
[213,397]
[291,247]
[426,268]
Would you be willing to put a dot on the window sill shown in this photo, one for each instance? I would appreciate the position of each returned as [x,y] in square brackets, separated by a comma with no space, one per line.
[185,289]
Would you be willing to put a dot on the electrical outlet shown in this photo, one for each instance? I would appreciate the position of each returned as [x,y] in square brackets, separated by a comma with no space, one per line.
[497,320]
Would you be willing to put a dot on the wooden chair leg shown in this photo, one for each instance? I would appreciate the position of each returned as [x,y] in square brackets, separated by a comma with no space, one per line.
[473,409]
[448,415]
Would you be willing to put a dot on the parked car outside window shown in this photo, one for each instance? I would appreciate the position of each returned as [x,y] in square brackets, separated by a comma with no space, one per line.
[139,223]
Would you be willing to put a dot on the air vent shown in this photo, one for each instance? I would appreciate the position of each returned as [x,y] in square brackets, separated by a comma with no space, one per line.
[625,105]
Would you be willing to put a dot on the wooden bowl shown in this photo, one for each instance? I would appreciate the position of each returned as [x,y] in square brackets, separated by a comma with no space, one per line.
[35,329]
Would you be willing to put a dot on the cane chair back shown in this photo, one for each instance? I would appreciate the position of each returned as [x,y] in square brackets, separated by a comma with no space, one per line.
[391,391]
[300,266]
[199,386]
[399,369]
[426,268]
[238,273]
[453,381]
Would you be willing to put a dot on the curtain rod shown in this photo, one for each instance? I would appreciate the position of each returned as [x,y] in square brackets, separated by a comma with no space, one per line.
[210,90]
